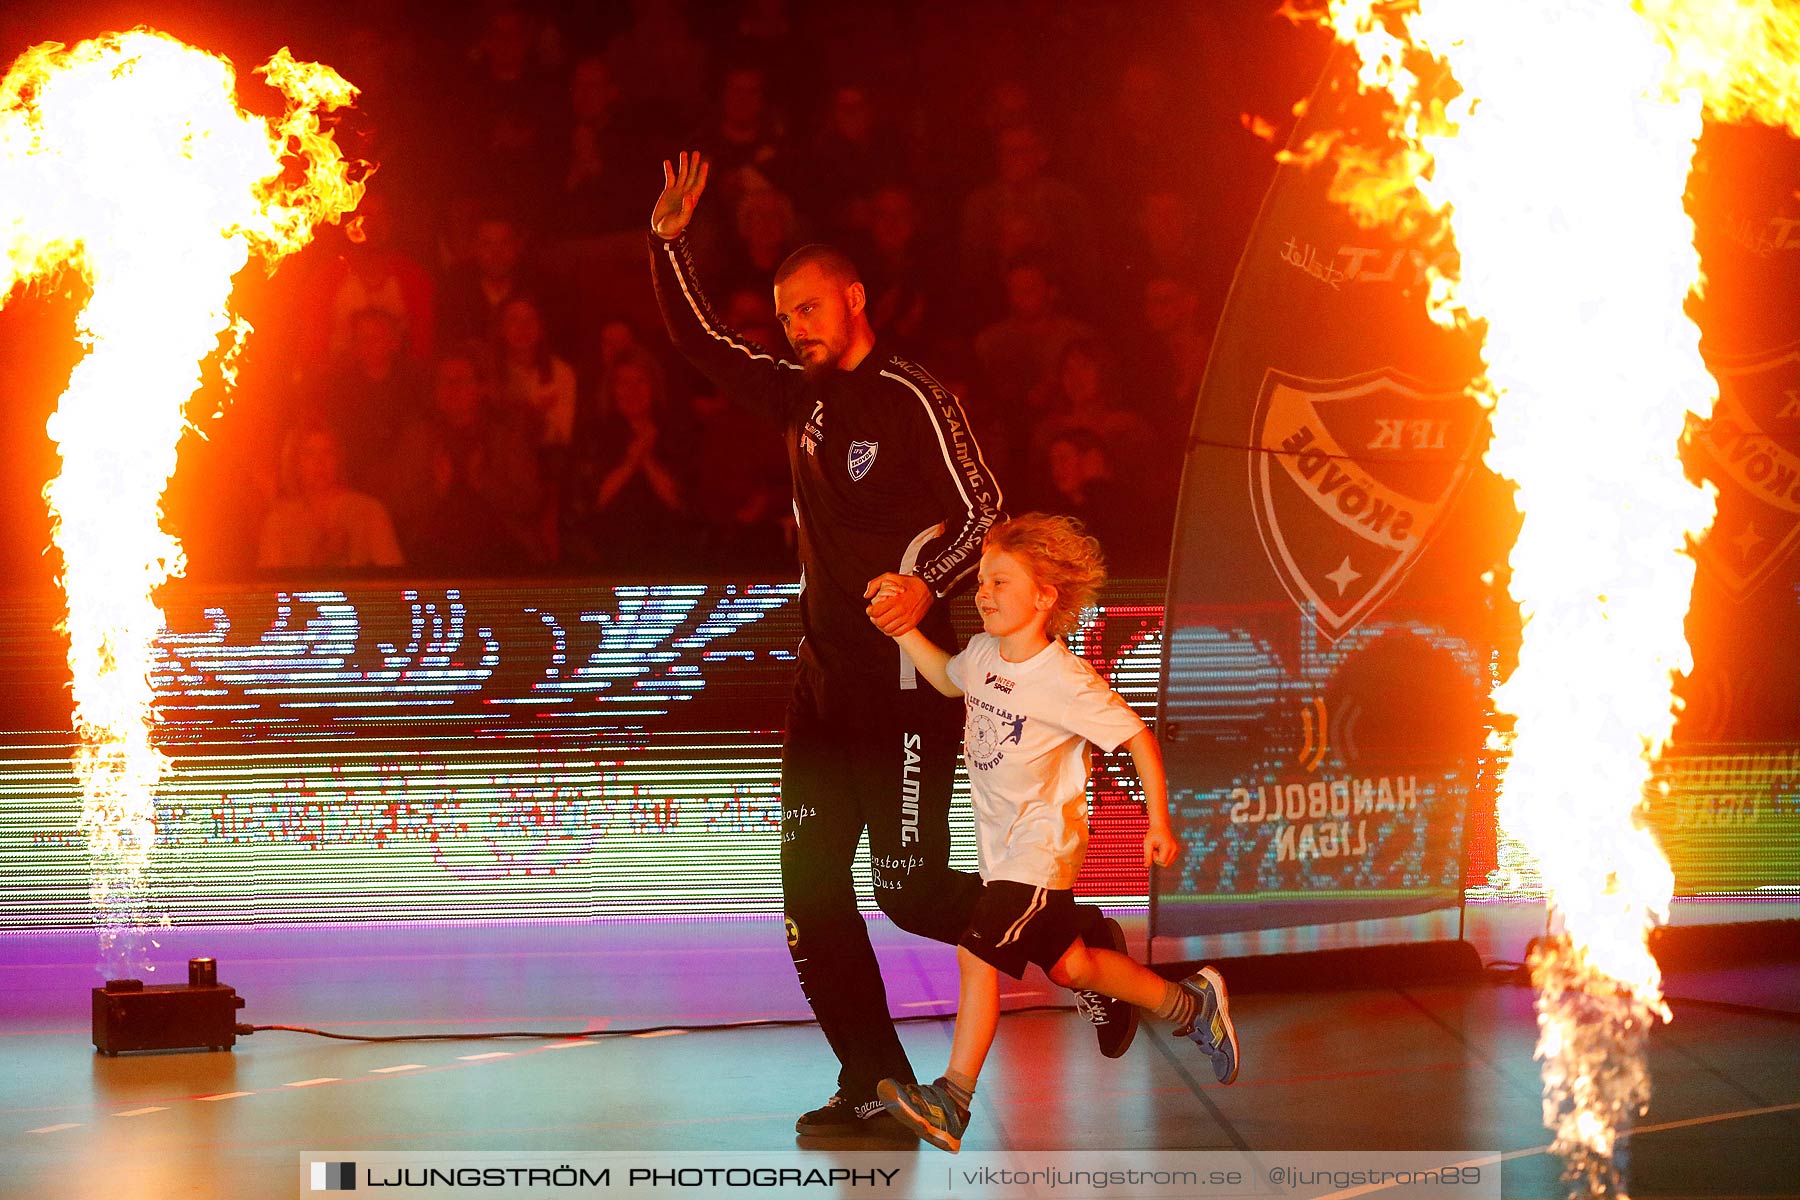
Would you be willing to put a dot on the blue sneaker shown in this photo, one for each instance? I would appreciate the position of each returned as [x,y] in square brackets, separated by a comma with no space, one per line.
[1211,1028]
[927,1109]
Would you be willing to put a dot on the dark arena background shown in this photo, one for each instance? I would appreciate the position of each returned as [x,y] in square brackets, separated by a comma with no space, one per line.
[475,684]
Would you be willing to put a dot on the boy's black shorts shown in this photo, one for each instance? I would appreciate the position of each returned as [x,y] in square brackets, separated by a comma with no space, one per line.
[1017,923]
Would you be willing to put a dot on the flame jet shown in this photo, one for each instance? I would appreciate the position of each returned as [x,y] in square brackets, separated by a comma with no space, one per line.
[1549,142]
[128,160]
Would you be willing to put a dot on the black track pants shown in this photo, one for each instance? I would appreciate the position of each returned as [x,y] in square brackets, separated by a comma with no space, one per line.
[861,755]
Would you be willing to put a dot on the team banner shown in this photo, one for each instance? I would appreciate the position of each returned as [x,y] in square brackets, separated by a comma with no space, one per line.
[1337,610]
[1328,628]
[1727,808]
[1743,698]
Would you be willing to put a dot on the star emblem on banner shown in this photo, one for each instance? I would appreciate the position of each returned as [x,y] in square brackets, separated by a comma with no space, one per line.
[1748,541]
[1345,575]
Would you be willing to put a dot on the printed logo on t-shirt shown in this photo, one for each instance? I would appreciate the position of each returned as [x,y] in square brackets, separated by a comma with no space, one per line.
[983,741]
[998,684]
[988,731]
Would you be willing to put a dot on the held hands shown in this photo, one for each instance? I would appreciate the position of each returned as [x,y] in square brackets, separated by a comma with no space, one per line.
[1161,846]
[682,185]
[899,602]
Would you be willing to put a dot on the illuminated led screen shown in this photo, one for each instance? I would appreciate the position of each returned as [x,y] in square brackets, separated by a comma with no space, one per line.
[383,753]
[377,753]
[1318,781]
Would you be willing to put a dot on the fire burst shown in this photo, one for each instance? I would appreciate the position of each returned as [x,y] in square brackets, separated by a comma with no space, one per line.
[1556,162]
[128,160]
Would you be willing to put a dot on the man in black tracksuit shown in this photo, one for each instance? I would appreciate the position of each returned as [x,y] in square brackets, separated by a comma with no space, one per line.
[892,499]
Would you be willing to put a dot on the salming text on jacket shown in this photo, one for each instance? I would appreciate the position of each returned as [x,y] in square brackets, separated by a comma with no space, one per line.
[887,475]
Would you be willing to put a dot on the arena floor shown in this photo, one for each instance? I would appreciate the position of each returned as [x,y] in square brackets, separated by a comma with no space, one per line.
[1376,1067]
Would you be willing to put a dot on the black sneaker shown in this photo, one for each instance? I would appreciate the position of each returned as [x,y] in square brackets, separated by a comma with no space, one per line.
[1115,1021]
[839,1117]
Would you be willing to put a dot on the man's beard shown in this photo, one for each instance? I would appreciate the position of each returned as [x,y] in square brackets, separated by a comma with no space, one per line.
[812,366]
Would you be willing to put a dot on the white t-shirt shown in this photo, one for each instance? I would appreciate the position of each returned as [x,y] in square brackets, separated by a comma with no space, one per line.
[1026,732]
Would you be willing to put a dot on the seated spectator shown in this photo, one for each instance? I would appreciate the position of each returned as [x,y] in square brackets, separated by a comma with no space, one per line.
[502,126]
[1090,394]
[371,274]
[764,34]
[1019,352]
[1169,240]
[744,137]
[366,395]
[475,291]
[393,114]
[1003,436]
[1176,357]
[453,251]
[740,489]
[1008,105]
[319,522]
[1085,394]
[603,158]
[627,509]
[956,139]
[463,483]
[660,66]
[851,157]
[616,338]
[1023,211]
[1134,525]
[904,291]
[536,385]
[1141,139]
[766,232]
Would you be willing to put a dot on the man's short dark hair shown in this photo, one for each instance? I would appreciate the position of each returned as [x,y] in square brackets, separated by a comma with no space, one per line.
[829,259]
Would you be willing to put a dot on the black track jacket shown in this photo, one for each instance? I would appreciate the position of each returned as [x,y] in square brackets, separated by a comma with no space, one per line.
[887,475]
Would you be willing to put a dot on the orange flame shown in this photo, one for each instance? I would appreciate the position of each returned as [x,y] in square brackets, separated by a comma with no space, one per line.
[1557,164]
[127,159]
[1259,127]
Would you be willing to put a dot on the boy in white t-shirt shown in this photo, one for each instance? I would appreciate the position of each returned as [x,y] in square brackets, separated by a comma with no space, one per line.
[1031,710]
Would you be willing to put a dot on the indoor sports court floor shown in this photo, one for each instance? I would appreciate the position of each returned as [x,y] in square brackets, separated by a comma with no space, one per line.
[1378,1066]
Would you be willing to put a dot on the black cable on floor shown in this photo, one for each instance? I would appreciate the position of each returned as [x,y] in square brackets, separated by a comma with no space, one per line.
[760,1023]
[513,1033]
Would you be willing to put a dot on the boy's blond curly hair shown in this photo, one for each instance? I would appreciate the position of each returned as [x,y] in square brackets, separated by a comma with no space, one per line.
[1060,554]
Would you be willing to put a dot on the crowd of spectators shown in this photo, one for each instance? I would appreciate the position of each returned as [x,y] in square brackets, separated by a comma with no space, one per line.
[1046,201]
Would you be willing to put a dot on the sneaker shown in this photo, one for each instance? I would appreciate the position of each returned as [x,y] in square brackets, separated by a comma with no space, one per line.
[1211,1029]
[1115,1021]
[839,1117]
[927,1110]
